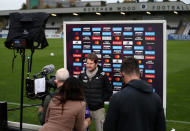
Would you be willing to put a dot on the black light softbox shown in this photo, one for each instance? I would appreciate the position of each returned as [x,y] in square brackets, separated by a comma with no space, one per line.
[27,29]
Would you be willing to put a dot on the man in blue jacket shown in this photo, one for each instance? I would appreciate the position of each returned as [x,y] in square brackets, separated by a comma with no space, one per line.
[135,107]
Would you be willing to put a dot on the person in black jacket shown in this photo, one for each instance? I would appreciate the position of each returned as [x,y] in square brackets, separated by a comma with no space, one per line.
[135,107]
[97,88]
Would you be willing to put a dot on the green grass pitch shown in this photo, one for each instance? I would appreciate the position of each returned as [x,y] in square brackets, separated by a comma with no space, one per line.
[178,80]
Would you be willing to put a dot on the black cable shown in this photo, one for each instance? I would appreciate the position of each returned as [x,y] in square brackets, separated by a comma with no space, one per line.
[32,52]
[13,61]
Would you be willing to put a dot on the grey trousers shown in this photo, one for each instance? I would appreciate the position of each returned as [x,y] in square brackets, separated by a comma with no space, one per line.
[98,116]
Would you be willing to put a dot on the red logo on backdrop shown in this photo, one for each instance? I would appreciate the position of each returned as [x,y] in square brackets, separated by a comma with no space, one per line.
[149,47]
[96,38]
[108,74]
[96,42]
[150,84]
[149,80]
[138,42]
[77,68]
[117,43]
[107,60]
[117,38]
[149,28]
[149,66]
[77,55]
[149,38]
[117,79]
[149,76]
[77,60]
[76,38]
[85,55]
[76,51]
[149,57]
[117,56]
[76,33]
[76,72]
[110,78]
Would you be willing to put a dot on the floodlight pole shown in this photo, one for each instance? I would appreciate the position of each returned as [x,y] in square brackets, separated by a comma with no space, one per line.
[22,51]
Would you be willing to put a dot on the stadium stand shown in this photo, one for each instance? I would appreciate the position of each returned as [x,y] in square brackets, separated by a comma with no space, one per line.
[187,30]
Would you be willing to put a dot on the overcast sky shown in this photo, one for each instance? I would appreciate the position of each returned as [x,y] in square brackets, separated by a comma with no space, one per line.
[16,4]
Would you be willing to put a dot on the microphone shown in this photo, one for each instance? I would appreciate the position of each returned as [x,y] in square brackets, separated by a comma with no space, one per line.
[48,69]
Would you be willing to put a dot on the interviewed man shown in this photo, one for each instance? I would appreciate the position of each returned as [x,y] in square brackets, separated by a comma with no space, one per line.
[97,88]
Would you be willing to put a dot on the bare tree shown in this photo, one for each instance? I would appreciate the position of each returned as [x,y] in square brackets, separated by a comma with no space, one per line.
[47,6]
[59,5]
[35,7]
[24,7]
[88,4]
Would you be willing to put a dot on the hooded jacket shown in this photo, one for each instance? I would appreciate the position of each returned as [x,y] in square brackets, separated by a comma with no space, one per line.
[135,108]
[97,90]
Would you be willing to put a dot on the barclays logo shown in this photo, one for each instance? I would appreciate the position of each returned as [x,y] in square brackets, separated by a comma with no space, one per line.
[128,33]
[149,33]
[117,47]
[106,51]
[128,52]
[106,33]
[86,33]
[138,47]
[117,83]
[139,29]
[77,47]
[116,65]
[141,66]
[77,64]
[150,52]
[96,47]
[116,29]
[86,51]
[96,29]
[150,71]
[76,29]
[107,69]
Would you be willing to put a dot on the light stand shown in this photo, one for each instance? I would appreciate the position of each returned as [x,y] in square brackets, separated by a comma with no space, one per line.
[22,51]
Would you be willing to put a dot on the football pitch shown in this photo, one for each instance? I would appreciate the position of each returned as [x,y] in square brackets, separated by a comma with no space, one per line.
[178,81]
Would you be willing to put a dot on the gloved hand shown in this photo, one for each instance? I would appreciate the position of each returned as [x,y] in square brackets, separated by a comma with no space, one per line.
[87,113]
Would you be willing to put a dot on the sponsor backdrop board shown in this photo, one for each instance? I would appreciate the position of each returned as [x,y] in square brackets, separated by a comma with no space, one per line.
[114,40]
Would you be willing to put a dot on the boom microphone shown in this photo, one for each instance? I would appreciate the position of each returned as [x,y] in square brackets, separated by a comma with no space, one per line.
[48,69]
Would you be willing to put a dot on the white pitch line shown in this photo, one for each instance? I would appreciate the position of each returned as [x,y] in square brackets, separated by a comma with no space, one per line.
[182,122]
[18,104]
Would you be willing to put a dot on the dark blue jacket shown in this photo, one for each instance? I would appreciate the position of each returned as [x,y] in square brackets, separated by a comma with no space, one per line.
[135,108]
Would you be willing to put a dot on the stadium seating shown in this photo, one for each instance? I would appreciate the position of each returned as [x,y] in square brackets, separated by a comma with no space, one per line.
[4,32]
[187,30]
[50,31]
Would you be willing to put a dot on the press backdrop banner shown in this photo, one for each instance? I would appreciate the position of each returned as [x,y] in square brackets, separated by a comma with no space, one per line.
[114,40]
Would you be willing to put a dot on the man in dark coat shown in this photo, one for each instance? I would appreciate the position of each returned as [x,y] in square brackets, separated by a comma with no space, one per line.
[135,107]
[97,88]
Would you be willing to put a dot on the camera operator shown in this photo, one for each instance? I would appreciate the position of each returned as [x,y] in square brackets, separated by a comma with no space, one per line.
[61,75]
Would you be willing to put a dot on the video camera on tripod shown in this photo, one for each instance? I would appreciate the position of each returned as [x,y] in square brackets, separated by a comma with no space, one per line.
[39,86]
